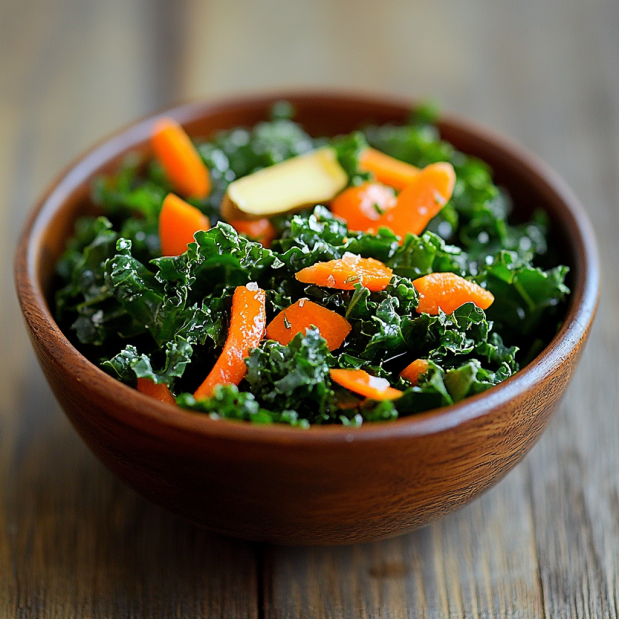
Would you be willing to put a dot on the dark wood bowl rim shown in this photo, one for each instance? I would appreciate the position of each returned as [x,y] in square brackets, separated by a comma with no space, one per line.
[160,419]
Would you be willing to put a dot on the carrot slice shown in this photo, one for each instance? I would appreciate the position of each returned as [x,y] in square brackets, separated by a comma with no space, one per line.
[347,271]
[449,291]
[303,314]
[261,230]
[386,169]
[364,384]
[421,200]
[160,391]
[414,370]
[361,207]
[247,326]
[178,222]
[180,160]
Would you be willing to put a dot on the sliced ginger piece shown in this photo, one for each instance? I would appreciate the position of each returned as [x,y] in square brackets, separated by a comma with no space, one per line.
[305,180]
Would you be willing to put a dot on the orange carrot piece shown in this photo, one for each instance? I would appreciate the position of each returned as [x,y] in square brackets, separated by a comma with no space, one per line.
[421,200]
[178,222]
[180,160]
[364,384]
[449,291]
[261,230]
[387,169]
[347,271]
[247,325]
[414,370]
[160,391]
[303,314]
[361,207]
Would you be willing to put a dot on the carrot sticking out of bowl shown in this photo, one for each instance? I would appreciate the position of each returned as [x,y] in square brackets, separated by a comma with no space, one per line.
[363,206]
[388,170]
[180,160]
[344,273]
[247,325]
[448,292]
[421,200]
[414,370]
[261,230]
[160,391]
[178,222]
[365,384]
[304,314]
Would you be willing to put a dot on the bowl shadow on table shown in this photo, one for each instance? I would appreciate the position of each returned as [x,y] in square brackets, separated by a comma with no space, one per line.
[79,536]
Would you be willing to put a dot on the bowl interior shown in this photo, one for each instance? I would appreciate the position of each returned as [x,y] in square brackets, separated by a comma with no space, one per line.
[528,181]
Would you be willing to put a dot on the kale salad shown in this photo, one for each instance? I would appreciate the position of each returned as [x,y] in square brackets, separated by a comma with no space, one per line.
[268,275]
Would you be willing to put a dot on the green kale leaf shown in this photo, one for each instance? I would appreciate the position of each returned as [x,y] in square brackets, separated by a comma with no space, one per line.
[228,402]
[526,299]
[293,377]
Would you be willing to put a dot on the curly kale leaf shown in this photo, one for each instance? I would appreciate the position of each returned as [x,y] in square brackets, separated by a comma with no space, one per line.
[430,393]
[526,299]
[228,402]
[129,364]
[293,377]
[445,337]
[348,149]
[441,386]
[220,258]
[135,288]
[129,192]
[380,320]
[320,236]
[162,306]
[476,215]
[418,144]
[86,302]
[428,253]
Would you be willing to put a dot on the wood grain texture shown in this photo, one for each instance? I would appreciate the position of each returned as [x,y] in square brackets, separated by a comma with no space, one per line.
[466,565]
[74,541]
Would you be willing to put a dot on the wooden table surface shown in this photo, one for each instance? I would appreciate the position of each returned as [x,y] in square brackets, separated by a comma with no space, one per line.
[75,542]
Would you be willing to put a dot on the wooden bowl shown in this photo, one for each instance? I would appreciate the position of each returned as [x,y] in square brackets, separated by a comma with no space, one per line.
[325,485]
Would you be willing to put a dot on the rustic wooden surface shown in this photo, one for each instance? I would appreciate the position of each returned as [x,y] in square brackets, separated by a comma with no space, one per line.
[544,542]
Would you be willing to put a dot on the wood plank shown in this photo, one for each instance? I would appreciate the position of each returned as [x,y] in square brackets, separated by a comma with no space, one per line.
[74,541]
[479,562]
